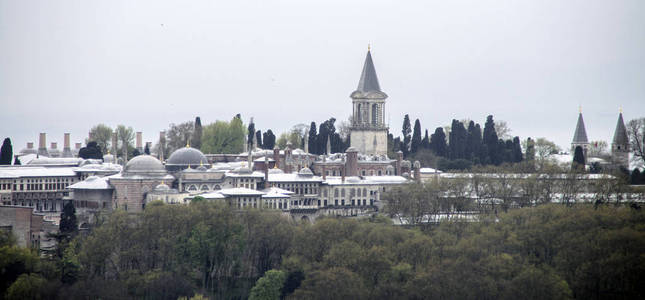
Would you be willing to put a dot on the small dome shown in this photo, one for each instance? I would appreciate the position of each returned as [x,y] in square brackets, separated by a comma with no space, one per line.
[162,187]
[276,171]
[144,164]
[351,149]
[305,172]
[242,170]
[108,158]
[187,156]
[389,168]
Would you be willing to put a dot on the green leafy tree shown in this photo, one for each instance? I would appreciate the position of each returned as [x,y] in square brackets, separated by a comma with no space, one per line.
[102,135]
[224,137]
[6,152]
[125,136]
[269,286]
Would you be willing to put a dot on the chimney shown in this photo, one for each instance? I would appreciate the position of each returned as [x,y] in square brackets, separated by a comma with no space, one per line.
[67,152]
[30,145]
[351,165]
[266,171]
[342,176]
[139,142]
[276,156]
[399,160]
[417,171]
[54,145]
[78,146]
[42,144]
[162,142]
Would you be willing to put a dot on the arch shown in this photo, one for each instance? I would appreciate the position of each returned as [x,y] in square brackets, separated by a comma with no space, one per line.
[204,187]
[359,113]
[305,219]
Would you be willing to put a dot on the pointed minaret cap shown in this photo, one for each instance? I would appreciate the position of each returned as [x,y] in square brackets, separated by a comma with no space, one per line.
[368,85]
[620,134]
[580,136]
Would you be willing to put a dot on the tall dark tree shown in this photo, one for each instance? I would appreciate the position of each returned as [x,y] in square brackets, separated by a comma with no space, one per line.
[16,162]
[258,137]
[517,150]
[396,144]
[578,158]
[91,150]
[490,139]
[196,141]
[68,224]
[438,142]
[312,138]
[406,131]
[250,134]
[146,150]
[530,149]
[136,152]
[268,139]
[327,129]
[425,142]
[457,141]
[6,152]
[415,144]
[474,143]
[635,177]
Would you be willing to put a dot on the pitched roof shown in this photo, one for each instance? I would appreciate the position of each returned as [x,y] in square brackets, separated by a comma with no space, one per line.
[368,81]
[620,135]
[580,136]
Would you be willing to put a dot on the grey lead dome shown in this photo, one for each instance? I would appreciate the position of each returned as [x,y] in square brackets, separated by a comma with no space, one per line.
[144,164]
[187,156]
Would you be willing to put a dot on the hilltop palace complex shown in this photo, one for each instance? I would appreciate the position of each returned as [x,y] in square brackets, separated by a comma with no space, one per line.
[300,184]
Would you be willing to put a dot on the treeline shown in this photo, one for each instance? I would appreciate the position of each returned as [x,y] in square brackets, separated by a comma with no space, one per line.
[166,252]
[464,146]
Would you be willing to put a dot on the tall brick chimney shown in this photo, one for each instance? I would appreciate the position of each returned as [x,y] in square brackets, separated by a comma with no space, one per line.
[115,141]
[162,142]
[276,156]
[67,151]
[351,165]
[139,142]
[30,145]
[42,144]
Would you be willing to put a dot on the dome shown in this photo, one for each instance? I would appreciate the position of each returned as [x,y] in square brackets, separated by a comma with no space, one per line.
[187,156]
[305,172]
[275,171]
[201,168]
[242,170]
[144,164]
[351,149]
[108,158]
[162,188]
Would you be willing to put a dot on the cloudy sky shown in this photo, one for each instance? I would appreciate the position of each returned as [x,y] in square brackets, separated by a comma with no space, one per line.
[68,65]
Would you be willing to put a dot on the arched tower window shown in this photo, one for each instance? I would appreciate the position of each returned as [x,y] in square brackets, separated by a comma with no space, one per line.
[374,114]
[358,113]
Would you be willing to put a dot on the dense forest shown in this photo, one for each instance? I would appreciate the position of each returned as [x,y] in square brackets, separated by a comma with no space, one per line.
[167,252]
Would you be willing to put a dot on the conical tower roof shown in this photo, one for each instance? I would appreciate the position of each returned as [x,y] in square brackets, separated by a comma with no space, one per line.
[620,135]
[580,136]
[368,86]
[368,81]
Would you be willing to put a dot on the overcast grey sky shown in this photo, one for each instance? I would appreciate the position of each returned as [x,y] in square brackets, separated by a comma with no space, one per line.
[68,65]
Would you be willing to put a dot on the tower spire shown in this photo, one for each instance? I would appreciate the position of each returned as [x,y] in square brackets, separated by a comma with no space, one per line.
[368,81]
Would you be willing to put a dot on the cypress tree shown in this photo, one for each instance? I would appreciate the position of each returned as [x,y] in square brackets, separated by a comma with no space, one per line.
[415,144]
[425,142]
[635,177]
[250,135]
[517,150]
[530,149]
[197,135]
[312,140]
[492,154]
[438,142]
[578,158]
[146,150]
[16,162]
[68,224]
[6,152]
[268,140]
[396,144]
[457,141]
[406,130]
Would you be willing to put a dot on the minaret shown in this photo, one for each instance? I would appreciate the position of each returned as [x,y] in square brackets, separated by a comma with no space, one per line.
[580,136]
[368,118]
[620,144]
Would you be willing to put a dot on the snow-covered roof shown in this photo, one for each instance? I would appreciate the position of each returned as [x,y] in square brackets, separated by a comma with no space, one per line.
[240,192]
[523,175]
[92,183]
[60,161]
[365,180]
[429,170]
[255,174]
[104,167]
[274,192]
[292,177]
[28,171]
[261,159]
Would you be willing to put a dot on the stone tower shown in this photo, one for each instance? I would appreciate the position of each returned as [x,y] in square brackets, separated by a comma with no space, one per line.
[580,136]
[368,129]
[620,144]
